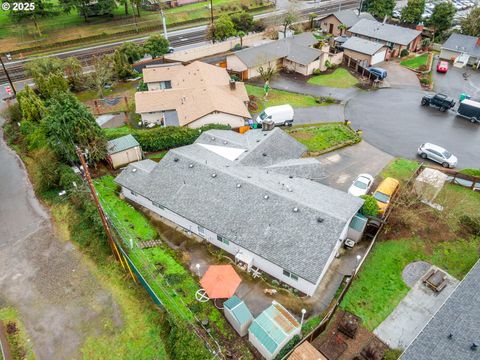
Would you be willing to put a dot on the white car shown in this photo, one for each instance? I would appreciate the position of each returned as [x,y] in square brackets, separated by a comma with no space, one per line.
[438,154]
[361,185]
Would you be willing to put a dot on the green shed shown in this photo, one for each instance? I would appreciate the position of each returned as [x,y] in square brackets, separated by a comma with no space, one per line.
[238,315]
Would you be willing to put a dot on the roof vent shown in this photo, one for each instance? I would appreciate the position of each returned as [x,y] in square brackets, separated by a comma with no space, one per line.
[450,336]
[264,154]
[214,175]
[474,347]
[225,142]
[134,170]
[176,159]
[320,220]
[266,197]
[295,209]
[290,176]
[212,138]
[190,166]
[239,186]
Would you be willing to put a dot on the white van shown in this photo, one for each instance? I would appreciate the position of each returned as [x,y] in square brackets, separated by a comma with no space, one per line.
[280,115]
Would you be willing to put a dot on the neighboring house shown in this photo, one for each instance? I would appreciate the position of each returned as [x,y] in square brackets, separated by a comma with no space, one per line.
[293,53]
[395,38]
[224,189]
[123,151]
[331,23]
[453,331]
[193,95]
[458,45]
[272,330]
[238,315]
[364,50]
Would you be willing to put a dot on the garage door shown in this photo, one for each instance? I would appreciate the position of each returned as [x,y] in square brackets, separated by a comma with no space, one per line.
[378,57]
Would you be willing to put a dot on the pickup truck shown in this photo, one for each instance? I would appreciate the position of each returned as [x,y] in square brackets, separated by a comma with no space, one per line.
[443,102]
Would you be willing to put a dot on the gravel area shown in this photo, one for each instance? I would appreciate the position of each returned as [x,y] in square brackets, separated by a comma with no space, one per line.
[414,271]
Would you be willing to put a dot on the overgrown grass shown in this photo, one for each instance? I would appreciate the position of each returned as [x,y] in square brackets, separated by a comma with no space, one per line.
[340,78]
[280,97]
[379,286]
[172,283]
[18,340]
[319,137]
[157,156]
[400,169]
[415,62]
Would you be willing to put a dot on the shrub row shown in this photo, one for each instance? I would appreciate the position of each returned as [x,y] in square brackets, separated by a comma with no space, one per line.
[162,138]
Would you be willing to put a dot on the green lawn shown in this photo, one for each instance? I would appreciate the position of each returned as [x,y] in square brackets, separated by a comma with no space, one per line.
[280,97]
[19,345]
[157,155]
[319,137]
[340,78]
[415,62]
[173,284]
[379,286]
[413,232]
[400,169]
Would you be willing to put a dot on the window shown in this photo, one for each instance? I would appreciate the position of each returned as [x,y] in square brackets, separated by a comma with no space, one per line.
[165,84]
[223,240]
[201,231]
[290,275]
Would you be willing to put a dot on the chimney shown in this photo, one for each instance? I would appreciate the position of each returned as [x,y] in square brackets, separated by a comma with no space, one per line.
[384,20]
[233,84]
[478,41]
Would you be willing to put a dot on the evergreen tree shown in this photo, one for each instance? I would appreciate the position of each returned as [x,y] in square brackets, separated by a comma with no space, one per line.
[156,45]
[442,17]
[412,13]
[380,8]
[31,106]
[471,24]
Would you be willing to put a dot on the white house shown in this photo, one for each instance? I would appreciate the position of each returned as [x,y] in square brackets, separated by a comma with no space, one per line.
[193,95]
[224,189]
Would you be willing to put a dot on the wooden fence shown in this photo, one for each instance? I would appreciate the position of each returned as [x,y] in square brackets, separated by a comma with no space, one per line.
[336,302]
[4,346]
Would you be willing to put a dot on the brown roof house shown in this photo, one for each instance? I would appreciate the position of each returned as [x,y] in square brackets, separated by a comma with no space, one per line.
[294,53]
[331,23]
[193,95]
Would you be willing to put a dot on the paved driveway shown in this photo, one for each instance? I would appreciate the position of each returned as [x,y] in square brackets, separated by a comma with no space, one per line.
[453,83]
[399,76]
[394,121]
[342,166]
[317,114]
[414,311]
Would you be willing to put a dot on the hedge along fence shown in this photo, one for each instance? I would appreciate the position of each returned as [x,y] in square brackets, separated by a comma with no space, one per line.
[162,138]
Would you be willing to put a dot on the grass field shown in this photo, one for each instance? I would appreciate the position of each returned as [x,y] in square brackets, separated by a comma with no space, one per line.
[280,97]
[16,335]
[71,26]
[414,232]
[319,137]
[340,78]
[415,62]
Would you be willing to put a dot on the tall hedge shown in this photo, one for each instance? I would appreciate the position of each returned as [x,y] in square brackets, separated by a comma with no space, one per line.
[162,138]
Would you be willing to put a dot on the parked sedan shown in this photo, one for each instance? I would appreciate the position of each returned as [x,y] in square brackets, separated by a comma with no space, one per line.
[361,185]
[442,67]
[438,154]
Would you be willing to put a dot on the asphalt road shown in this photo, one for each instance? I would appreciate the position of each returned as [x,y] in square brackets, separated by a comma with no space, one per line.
[45,279]
[394,121]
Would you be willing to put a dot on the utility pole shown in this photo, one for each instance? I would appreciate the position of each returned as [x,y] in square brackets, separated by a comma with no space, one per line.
[97,203]
[165,35]
[211,21]
[8,76]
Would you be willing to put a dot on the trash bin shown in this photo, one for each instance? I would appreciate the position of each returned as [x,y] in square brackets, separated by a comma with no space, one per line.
[464,96]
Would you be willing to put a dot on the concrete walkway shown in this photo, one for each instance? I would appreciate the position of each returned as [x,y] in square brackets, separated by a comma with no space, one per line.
[414,311]
[46,280]
[298,83]
[318,114]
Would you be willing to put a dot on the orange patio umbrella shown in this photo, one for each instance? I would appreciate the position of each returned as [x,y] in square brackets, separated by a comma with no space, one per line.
[220,281]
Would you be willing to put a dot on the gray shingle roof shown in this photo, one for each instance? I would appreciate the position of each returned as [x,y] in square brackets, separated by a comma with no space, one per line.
[462,43]
[297,241]
[459,316]
[122,143]
[259,55]
[362,45]
[303,55]
[385,32]
[350,17]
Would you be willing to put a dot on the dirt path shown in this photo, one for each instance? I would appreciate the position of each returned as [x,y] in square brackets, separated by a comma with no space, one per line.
[59,300]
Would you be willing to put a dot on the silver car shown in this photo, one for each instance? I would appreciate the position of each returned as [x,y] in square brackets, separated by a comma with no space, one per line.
[438,154]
